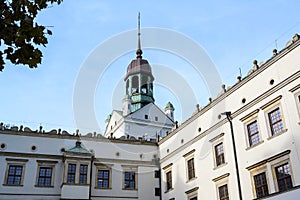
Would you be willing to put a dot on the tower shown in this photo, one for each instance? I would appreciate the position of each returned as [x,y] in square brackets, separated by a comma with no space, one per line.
[139,81]
[169,110]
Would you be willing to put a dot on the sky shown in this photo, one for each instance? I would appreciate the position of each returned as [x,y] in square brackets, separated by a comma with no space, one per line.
[232,33]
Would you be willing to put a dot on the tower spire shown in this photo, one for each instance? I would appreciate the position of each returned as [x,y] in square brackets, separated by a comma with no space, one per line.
[139,51]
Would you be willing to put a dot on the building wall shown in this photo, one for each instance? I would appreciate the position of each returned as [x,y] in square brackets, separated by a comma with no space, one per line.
[117,154]
[258,93]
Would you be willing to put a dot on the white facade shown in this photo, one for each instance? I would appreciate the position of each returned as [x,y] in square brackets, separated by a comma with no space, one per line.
[115,155]
[148,122]
[271,88]
[194,161]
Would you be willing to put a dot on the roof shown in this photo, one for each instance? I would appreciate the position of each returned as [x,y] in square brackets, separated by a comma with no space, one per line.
[78,149]
[139,65]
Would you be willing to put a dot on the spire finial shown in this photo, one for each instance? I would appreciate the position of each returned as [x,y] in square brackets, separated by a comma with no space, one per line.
[139,51]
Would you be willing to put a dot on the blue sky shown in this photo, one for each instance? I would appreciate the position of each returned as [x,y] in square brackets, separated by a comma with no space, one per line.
[233,33]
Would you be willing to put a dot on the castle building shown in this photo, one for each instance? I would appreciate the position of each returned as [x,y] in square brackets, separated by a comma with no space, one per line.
[244,144]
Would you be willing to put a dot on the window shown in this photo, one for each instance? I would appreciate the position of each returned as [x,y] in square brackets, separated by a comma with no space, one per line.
[219,153]
[261,185]
[156,174]
[275,120]
[157,191]
[71,173]
[14,175]
[192,194]
[223,192]
[129,180]
[83,174]
[222,187]
[156,118]
[169,180]
[146,116]
[103,179]
[45,173]
[253,133]
[296,91]
[45,177]
[283,176]
[275,169]
[191,169]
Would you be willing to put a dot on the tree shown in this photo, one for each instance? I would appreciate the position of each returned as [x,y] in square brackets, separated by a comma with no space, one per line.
[20,35]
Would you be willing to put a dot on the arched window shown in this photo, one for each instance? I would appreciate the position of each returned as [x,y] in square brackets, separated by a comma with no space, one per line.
[144,88]
[135,84]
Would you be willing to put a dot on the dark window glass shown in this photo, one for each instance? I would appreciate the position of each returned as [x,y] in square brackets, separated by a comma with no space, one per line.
[14,175]
[129,180]
[275,120]
[223,192]
[169,180]
[156,174]
[191,168]
[219,152]
[71,173]
[45,176]
[83,174]
[284,179]
[157,191]
[261,185]
[253,134]
[103,179]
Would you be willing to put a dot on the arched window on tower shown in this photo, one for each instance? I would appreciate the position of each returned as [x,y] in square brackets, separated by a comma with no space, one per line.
[127,87]
[135,84]
[151,88]
[144,88]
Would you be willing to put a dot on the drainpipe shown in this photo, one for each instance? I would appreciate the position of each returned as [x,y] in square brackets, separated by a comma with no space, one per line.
[228,116]
[159,178]
[91,175]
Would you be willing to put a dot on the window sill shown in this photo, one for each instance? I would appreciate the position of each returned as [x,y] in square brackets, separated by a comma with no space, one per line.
[190,180]
[75,184]
[41,186]
[169,190]
[255,145]
[12,185]
[278,134]
[99,188]
[130,189]
[219,166]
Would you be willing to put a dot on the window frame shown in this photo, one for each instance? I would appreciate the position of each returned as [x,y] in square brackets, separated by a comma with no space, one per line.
[270,107]
[168,170]
[219,157]
[250,142]
[83,174]
[18,163]
[192,193]
[190,156]
[104,167]
[73,174]
[221,181]
[219,196]
[130,169]
[278,162]
[217,140]
[273,124]
[263,186]
[169,180]
[45,164]
[296,92]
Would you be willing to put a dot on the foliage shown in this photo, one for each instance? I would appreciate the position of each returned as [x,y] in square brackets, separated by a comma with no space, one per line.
[20,35]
